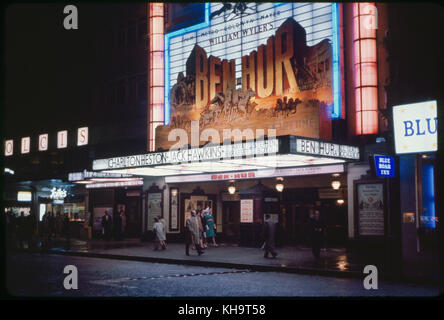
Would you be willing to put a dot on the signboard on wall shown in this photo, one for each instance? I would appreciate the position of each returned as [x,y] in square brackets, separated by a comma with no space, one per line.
[154,206]
[371,220]
[385,166]
[415,127]
[254,65]
[246,211]
[174,210]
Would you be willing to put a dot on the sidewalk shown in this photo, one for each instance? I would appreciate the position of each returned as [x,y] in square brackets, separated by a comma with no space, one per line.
[333,262]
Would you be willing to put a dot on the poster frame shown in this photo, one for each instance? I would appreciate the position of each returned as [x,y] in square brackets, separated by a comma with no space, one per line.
[385,197]
[171,212]
[153,190]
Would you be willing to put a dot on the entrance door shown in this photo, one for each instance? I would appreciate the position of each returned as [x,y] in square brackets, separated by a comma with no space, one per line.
[297,223]
[231,221]
[133,217]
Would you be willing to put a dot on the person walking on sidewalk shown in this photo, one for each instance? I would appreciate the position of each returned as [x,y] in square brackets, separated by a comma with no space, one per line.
[203,235]
[269,234]
[117,227]
[123,218]
[159,234]
[58,222]
[106,225]
[316,233]
[66,229]
[210,226]
[201,229]
[162,220]
[192,234]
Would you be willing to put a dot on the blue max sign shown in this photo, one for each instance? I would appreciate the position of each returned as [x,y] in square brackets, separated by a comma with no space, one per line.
[385,166]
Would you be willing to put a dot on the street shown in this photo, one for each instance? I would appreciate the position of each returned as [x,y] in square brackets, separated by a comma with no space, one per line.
[41,275]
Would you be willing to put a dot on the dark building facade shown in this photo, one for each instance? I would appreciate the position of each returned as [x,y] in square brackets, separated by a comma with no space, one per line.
[333,73]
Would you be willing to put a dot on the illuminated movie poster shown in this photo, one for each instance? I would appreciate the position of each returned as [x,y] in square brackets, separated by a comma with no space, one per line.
[253,66]
[371,209]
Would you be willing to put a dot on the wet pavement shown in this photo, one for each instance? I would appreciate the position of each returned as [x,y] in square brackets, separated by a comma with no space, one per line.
[333,261]
[99,277]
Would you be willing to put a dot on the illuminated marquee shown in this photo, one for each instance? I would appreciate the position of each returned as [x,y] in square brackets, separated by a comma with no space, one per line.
[207,153]
[229,35]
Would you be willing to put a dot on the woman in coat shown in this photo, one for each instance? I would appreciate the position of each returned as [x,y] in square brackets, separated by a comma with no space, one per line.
[209,219]
[159,232]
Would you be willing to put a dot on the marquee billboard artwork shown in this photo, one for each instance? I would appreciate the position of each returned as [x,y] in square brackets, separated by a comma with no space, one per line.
[253,66]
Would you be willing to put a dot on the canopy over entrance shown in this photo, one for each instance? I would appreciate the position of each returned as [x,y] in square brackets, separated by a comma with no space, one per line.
[254,155]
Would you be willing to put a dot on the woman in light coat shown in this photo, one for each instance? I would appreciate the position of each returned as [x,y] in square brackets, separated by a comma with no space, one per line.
[159,231]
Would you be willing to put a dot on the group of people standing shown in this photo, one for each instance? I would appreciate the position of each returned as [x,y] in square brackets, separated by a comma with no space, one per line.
[200,228]
[114,227]
[20,230]
[54,226]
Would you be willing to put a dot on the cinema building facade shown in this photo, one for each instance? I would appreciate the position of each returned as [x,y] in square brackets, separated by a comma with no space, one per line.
[267,109]
[280,109]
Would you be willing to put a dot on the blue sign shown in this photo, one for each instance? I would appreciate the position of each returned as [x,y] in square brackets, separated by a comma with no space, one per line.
[385,166]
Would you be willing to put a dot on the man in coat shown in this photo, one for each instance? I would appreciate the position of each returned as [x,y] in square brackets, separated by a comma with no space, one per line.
[193,235]
[317,233]
[106,224]
[269,234]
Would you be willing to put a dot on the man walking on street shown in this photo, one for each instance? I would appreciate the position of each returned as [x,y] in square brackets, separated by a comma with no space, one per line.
[317,233]
[106,224]
[192,235]
[269,233]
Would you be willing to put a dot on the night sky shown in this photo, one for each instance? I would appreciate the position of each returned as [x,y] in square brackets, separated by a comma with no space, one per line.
[47,80]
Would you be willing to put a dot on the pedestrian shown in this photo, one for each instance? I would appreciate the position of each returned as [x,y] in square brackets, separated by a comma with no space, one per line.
[117,227]
[316,233]
[66,230]
[44,230]
[10,229]
[159,234]
[204,227]
[123,218]
[58,225]
[192,234]
[51,226]
[162,220]
[269,235]
[106,225]
[199,222]
[30,229]
[21,230]
[210,226]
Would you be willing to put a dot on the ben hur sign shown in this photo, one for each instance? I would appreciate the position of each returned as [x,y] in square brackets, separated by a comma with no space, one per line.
[282,80]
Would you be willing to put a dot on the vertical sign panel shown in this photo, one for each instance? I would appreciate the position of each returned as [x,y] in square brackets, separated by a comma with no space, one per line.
[26,142]
[246,211]
[62,139]
[82,136]
[371,209]
[43,142]
[9,147]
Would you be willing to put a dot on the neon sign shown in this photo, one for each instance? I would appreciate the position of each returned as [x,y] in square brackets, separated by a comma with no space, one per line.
[229,36]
